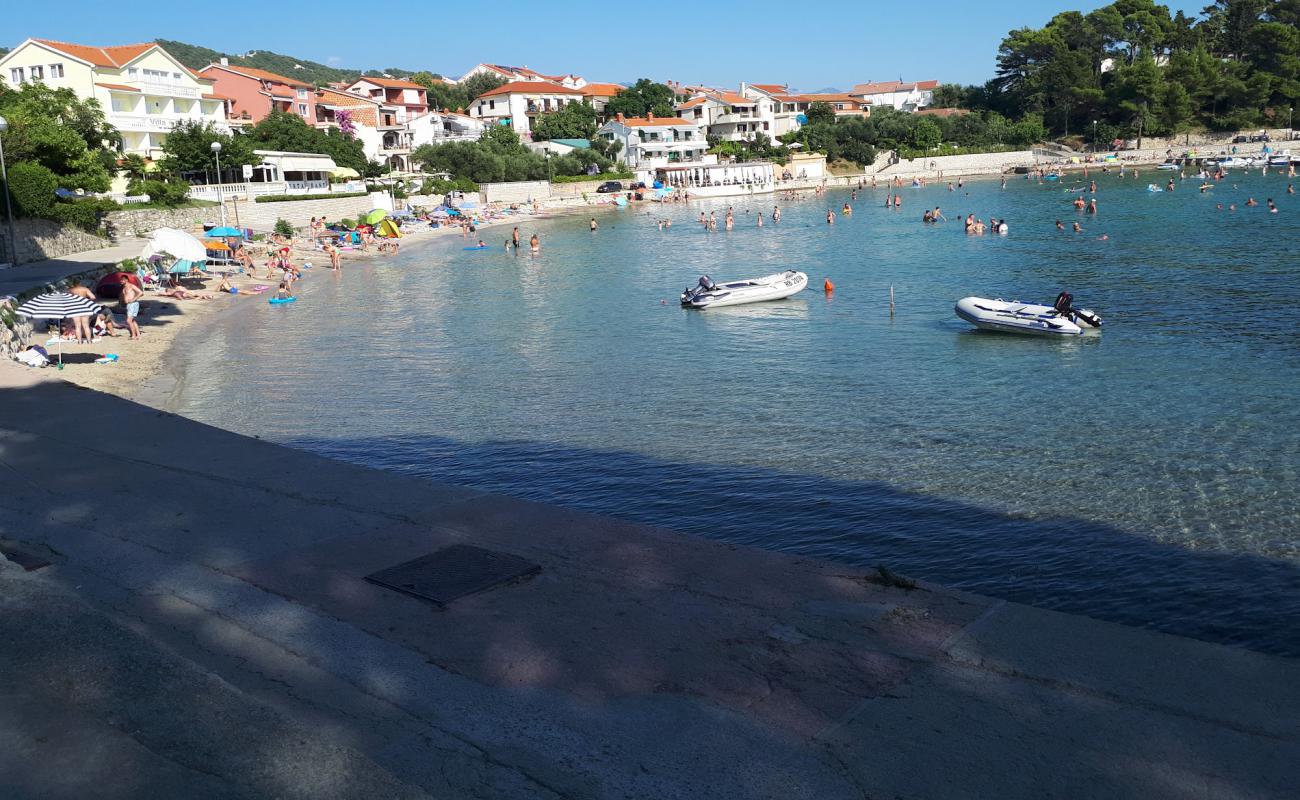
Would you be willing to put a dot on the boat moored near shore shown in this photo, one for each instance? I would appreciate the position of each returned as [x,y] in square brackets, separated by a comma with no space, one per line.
[778,286]
[1059,319]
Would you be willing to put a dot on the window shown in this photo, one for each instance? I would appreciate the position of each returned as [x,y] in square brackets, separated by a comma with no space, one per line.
[16,75]
[492,104]
[56,70]
[302,109]
[302,94]
[766,127]
[38,73]
[132,73]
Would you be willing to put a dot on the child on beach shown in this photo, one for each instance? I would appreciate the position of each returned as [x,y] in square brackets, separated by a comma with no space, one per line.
[283,292]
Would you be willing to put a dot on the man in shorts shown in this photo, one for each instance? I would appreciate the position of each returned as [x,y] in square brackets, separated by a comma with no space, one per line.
[131,295]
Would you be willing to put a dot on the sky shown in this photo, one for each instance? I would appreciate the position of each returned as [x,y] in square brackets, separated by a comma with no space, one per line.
[719,43]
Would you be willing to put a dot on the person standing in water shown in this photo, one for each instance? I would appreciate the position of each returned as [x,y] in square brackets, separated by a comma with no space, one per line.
[830,217]
[776,214]
[760,219]
[514,237]
[593,225]
[535,244]
[1092,206]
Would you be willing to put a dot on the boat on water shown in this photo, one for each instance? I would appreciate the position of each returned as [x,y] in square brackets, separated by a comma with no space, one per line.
[1237,162]
[1280,159]
[778,286]
[1061,318]
[1169,165]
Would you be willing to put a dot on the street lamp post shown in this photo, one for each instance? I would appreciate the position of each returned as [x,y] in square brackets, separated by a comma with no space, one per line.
[549,176]
[9,206]
[1094,136]
[221,201]
[1290,131]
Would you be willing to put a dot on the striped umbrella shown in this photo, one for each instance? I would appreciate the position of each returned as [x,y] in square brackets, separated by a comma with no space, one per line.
[60,306]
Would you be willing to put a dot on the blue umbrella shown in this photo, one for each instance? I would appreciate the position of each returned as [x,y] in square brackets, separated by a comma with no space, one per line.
[224,231]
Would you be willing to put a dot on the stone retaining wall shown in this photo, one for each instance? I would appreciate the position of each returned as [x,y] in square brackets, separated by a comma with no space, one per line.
[515,191]
[39,239]
[932,168]
[260,217]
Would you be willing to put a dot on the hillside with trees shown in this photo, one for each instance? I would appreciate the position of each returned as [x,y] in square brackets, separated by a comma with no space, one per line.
[1133,67]
[197,57]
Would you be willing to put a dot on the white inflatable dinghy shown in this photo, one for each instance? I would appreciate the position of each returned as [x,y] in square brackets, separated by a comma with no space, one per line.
[707,294]
[1059,319]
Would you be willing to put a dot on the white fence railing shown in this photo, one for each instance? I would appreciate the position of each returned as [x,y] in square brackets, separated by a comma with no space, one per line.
[212,191]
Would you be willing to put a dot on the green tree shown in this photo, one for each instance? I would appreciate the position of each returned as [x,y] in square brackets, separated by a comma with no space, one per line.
[820,111]
[188,148]
[31,187]
[476,86]
[571,121]
[925,134]
[643,98]
[133,166]
[58,130]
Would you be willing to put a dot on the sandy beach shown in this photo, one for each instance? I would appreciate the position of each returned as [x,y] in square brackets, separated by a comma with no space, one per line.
[138,372]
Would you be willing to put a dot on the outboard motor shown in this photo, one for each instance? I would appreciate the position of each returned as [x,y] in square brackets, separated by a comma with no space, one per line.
[1064,306]
[707,284]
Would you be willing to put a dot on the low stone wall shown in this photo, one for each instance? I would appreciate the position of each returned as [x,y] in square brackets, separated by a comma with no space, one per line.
[932,168]
[515,191]
[578,189]
[260,217]
[143,221]
[39,239]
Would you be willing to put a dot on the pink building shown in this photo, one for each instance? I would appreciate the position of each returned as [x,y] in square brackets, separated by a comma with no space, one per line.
[255,93]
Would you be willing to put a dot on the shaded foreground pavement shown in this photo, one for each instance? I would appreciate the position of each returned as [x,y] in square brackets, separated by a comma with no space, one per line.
[202,629]
[24,276]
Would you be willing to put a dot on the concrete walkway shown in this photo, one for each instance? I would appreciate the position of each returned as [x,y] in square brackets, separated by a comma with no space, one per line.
[24,276]
[203,629]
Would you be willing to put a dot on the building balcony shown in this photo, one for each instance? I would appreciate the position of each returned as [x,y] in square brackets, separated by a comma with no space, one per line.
[728,119]
[159,122]
[395,150]
[163,89]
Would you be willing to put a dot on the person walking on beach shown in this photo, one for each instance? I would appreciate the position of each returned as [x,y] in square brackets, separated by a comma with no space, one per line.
[130,298]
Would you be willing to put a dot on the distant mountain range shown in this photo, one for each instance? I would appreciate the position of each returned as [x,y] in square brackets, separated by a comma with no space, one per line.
[827,90]
[196,57]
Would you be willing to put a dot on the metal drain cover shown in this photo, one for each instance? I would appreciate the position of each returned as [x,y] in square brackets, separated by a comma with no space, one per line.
[454,572]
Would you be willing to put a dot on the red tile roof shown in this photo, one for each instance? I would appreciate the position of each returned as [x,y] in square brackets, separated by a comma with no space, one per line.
[257,74]
[118,87]
[217,97]
[893,86]
[116,56]
[944,112]
[535,87]
[693,102]
[770,88]
[391,83]
[602,89]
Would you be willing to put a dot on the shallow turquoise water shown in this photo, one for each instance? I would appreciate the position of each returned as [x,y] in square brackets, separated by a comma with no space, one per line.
[1150,474]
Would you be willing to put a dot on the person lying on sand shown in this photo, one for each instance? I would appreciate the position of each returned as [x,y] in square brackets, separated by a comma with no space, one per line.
[181,293]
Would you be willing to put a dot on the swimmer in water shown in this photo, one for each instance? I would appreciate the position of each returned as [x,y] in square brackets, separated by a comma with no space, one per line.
[593,224]
[847,210]
[1060,226]
[1078,228]
[1290,188]
[1251,202]
[776,214]
[1272,207]
[830,217]
[1092,206]
[534,243]
[760,219]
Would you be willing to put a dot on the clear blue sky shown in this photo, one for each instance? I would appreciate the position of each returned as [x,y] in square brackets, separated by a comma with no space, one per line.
[807,45]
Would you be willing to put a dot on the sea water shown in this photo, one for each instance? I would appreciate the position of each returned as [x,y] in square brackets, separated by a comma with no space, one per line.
[1149,474]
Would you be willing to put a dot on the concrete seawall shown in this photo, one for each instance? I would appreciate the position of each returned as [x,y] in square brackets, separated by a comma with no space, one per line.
[203,628]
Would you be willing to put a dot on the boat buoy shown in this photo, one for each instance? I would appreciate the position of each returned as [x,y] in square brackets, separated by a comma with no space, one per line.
[828,286]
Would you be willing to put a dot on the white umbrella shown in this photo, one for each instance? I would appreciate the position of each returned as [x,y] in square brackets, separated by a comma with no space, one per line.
[60,306]
[175,243]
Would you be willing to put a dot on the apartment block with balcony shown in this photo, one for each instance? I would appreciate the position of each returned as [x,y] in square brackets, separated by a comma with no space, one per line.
[412,97]
[255,93]
[731,116]
[902,95]
[143,90]
[518,103]
[652,142]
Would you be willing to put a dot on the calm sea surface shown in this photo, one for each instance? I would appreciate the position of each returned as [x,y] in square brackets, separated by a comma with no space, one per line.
[1148,475]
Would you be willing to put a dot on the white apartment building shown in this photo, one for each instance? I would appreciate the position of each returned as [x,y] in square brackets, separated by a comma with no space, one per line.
[142,89]
[518,103]
[901,95]
[651,142]
[440,127]
[732,116]
[509,73]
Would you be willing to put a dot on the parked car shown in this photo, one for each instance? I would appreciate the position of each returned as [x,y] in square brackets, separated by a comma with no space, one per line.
[609,186]
[1259,137]
[1240,139]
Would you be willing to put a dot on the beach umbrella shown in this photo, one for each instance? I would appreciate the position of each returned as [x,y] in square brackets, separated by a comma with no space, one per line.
[374,216]
[175,243]
[225,231]
[60,306]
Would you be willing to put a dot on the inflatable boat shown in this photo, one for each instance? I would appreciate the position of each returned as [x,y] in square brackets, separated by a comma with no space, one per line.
[707,294]
[1059,319]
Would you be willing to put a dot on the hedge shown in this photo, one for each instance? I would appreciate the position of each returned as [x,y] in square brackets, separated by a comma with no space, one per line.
[85,214]
[32,186]
[604,176]
[284,198]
